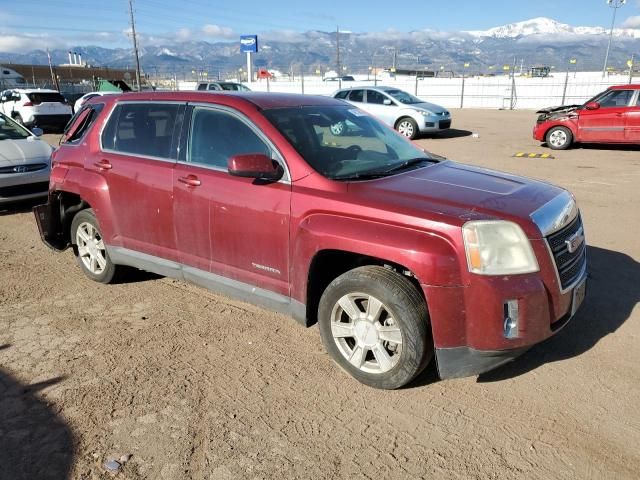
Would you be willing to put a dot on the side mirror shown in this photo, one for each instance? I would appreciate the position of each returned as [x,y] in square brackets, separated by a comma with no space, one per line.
[592,106]
[38,132]
[386,101]
[255,165]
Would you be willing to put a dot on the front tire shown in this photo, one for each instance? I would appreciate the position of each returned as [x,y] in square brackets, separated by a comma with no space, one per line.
[408,127]
[374,324]
[92,255]
[559,138]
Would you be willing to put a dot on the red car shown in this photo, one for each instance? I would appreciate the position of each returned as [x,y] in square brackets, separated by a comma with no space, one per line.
[397,255]
[612,116]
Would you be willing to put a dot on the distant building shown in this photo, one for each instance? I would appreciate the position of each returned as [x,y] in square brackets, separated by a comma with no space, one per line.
[40,75]
[9,78]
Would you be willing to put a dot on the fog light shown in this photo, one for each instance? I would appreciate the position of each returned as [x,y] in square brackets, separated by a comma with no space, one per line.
[511,319]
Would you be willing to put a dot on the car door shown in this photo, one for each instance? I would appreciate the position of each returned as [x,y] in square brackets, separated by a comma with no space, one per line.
[606,123]
[136,160]
[234,227]
[632,121]
[375,105]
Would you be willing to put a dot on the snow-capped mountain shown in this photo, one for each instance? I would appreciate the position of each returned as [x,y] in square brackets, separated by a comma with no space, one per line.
[539,41]
[548,26]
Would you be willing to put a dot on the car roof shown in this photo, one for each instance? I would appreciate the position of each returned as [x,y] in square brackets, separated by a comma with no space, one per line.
[625,87]
[262,100]
[34,90]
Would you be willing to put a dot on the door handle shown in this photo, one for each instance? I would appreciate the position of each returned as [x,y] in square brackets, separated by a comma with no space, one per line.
[103,165]
[190,180]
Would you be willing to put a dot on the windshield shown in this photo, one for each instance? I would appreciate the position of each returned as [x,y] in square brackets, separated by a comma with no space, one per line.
[403,97]
[10,130]
[344,143]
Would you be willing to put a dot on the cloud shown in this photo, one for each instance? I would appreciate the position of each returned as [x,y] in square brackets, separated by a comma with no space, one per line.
[29,41]
[216,31]
[632,22]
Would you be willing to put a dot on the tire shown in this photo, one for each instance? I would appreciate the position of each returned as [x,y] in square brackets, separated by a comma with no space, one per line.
[338,129]
[91,253]
[408,127]
[18,118]
[559,138]
[398,312]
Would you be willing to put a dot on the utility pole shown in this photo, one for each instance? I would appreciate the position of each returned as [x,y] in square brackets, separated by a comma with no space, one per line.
[630,63]
[338,51]
[135,43]
[615,4]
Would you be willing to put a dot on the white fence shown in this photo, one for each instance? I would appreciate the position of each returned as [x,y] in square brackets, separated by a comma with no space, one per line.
[478,92]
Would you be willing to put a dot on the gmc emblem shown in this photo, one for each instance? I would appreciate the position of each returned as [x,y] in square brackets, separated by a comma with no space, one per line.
[574,241]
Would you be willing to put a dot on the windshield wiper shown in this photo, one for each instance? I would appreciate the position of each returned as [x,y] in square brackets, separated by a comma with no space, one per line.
[367,175]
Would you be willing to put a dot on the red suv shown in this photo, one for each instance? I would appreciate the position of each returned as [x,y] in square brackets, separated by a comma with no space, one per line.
[397,254]
[612,116]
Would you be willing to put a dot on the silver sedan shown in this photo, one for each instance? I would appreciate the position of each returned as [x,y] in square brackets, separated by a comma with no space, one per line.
[25,162]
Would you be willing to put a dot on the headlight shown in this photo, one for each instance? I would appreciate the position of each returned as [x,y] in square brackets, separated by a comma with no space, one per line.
[426,113]
[497,247]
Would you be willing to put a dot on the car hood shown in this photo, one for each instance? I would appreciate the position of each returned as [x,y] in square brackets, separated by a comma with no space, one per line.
[432,107]
[20,152]
[552,113]
[454,193]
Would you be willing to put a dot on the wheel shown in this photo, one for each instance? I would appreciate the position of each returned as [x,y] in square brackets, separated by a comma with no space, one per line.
[559,138]
[89,246]
[375,325]
[408,127]
[18,118]
[337,129]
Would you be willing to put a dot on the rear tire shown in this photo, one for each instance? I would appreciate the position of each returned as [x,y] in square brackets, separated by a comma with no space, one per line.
[91,252]
[559,138]
[374,324]
[407,127]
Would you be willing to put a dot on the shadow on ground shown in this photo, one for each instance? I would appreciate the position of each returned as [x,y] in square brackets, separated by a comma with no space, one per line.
[613,292]
[23,206]
[449,133]
[35,443]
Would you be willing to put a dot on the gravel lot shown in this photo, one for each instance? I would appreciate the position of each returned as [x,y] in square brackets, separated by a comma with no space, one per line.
[195,385]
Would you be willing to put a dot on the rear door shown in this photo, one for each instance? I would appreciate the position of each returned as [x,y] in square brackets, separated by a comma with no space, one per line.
[234,227]
[607,123]
[632,121]
[137,157]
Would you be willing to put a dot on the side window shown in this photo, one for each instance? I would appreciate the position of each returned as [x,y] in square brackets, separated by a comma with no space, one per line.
[213,86]
[343,94]
[356,96]
[202,86]
[375,97]
[80,123]
[638,100]
[216,136]
[616,98]
[142,129]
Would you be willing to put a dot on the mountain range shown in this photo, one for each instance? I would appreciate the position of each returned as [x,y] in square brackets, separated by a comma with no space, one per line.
[539,41]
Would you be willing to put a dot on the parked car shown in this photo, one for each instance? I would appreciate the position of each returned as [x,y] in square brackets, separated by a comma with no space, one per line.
[408,114]
[220,86]
[25,162]
[396,254]
[343,78]
[612,116]
[80,101]
[35,107]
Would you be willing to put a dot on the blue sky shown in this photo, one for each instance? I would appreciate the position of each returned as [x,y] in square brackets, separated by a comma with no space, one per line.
[59,23]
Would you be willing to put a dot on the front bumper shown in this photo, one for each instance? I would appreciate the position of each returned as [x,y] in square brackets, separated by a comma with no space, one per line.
[434,123]
[49,120]
[24,186]
[539,130]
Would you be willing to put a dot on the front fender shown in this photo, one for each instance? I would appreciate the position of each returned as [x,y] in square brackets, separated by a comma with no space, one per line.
[430,256]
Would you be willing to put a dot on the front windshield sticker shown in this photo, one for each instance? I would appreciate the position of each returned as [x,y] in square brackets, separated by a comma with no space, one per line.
[357,113]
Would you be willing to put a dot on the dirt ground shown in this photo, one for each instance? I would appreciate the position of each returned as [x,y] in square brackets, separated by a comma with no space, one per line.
[196,386]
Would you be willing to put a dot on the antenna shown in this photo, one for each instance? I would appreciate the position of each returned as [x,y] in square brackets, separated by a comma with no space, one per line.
[135,43]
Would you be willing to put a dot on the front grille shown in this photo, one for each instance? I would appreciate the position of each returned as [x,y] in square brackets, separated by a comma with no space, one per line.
[28,189]
[568,264]
[32,167]
[445,123]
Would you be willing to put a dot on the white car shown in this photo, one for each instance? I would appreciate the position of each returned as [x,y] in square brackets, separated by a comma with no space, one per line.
[408,114]
[78,105]
[25,162]
[35,107]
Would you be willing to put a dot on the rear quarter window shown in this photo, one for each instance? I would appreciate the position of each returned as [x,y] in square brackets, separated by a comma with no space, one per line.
[81,123]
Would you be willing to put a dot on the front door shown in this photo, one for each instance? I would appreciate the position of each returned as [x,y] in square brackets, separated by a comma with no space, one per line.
[605,124]
[234,227]
[375,106]
[137,161]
